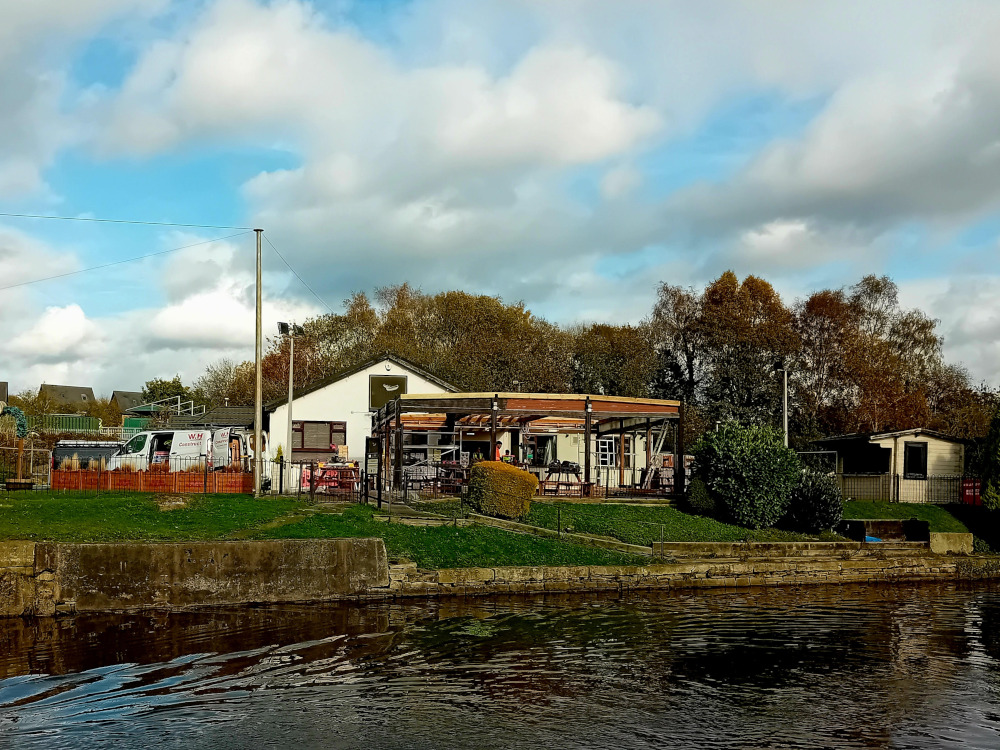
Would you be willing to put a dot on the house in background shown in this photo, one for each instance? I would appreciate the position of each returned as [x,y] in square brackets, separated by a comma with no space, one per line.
[338,411]
[66,398]
[126,400]
[908,466]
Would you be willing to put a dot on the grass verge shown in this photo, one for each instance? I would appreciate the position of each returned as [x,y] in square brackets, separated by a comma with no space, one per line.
[637,524]
[939,517]
[449,546]
[63,517]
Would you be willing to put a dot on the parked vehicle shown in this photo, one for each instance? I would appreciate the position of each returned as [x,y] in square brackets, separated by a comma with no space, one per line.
[174,450]
[83,454]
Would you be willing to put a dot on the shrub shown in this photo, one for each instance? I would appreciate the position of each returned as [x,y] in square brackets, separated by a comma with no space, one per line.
[699,500]
[749,472]
[816,504]
[499,489]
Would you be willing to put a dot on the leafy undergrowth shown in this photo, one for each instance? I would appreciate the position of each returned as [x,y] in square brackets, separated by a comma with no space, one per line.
[449,546]
[638,524]
[67,517]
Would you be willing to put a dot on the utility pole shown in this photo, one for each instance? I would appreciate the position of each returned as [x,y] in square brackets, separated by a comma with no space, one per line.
[785,406]
[258,399]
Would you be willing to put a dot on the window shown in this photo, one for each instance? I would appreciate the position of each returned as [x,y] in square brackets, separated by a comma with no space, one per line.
[915,460]
[135,445]
[318,436]
[607,451]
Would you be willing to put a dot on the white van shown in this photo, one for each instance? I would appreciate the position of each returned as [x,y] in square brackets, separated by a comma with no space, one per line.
[232,448]
[178,449]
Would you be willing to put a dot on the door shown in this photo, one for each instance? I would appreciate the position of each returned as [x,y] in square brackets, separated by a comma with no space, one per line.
[133,455]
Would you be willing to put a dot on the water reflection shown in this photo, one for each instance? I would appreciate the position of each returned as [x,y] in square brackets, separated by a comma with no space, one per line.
[836,667]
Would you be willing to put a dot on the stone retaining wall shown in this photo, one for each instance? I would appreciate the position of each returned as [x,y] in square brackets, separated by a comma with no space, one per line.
[408,581]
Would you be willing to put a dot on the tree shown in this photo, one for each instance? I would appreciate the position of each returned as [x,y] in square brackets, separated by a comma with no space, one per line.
[750,335]
[159,389]
[614,360]
[678,329]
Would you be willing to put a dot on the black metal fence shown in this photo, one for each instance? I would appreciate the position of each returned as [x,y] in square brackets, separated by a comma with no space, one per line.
[935,489]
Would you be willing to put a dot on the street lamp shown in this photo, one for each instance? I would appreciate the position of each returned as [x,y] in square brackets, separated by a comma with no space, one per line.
[784,403]
[291,330]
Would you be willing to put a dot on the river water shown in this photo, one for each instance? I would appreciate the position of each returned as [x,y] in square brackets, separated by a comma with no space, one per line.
[839,667]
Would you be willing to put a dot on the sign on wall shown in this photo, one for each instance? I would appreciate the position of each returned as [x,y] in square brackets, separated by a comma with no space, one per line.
[383,389]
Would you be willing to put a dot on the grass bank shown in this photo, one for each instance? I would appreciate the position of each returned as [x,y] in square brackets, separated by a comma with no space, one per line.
[958,519]
[64,517]
[939,517]
[449,546]
[639,524]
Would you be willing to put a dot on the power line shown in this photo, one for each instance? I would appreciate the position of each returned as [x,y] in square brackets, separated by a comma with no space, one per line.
[123,221]
[321,301]
[119,262]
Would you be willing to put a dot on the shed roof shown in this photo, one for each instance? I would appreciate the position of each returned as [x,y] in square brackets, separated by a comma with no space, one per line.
[873,436]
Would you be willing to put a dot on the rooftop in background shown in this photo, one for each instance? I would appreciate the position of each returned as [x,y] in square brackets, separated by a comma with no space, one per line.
[126,400]
[67,395]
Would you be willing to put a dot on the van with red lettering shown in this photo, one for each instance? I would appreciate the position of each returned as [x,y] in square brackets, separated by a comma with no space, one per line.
[169,450]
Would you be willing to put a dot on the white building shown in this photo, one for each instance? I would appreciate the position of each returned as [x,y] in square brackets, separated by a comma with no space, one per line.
[337,411]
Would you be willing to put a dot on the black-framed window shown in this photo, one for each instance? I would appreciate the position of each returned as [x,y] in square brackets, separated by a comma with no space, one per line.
[914,460]
[318,436]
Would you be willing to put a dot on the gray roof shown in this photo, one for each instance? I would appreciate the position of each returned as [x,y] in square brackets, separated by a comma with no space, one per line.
[127,399]
[67,395]
[358,368]
[870,436]
[220,416]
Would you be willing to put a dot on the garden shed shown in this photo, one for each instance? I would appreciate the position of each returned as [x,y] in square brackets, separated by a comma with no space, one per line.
[907,466]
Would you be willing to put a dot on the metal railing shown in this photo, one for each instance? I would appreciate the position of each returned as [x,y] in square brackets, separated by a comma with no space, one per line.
[895,488]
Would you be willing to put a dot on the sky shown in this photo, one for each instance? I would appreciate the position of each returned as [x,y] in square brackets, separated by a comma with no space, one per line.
[571,155]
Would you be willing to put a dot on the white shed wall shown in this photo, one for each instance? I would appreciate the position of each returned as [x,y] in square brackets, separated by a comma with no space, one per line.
[345,401]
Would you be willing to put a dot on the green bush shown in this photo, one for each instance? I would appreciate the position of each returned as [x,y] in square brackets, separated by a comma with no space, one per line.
[990,466]
[816,503]
[749,472]
[699,500]
[501,490]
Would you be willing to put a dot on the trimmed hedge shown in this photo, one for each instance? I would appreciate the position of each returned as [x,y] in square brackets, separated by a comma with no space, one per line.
[501,490]
[749,472]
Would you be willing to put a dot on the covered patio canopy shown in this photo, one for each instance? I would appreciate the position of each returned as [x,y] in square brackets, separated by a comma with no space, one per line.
[590,414]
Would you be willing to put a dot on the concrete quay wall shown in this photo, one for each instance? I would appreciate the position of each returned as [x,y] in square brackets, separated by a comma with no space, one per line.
[46,579]
[43,578]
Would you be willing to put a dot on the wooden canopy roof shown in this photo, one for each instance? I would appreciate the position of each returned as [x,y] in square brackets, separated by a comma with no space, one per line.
[519,410]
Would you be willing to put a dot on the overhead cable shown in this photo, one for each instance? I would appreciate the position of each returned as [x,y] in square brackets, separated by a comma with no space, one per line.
[122,221]
[120,262]
[321,300]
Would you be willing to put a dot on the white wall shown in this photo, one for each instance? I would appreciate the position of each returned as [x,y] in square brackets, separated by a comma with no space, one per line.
[344,401]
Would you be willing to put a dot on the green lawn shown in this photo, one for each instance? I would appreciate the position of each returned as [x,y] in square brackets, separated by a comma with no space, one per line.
[939,517]
[108,518]
[449,546]
[642,524]
[64,517]
[636,524]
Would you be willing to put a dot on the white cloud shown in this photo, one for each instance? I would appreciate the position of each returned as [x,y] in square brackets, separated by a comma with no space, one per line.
[61,334]
[620,181]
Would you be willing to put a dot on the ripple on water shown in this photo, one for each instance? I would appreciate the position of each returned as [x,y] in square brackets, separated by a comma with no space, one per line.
[838,667]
